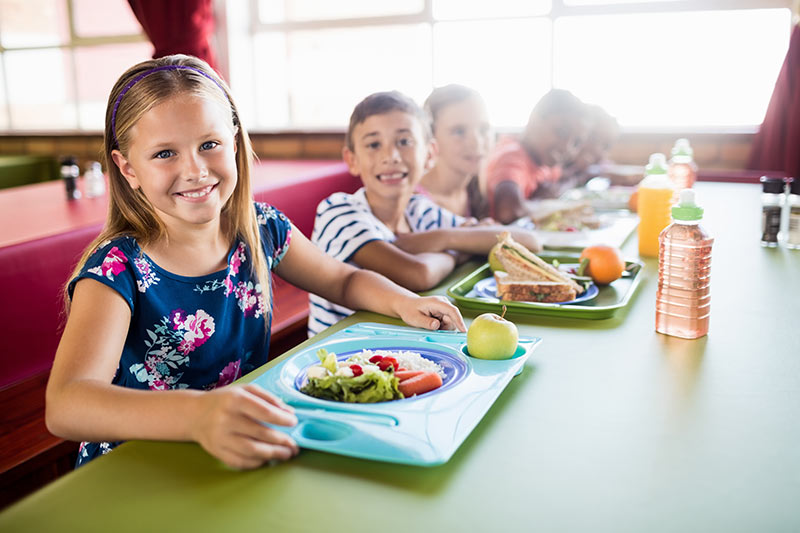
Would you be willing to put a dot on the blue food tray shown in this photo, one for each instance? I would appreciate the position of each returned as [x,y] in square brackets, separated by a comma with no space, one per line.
[423,430]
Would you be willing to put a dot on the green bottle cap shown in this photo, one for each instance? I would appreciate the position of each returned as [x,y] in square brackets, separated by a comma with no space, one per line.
[656,165]
[682,148]
[687,209]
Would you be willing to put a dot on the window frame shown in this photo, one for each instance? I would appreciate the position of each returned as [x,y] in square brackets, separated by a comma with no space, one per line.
[559,8]
[74,42]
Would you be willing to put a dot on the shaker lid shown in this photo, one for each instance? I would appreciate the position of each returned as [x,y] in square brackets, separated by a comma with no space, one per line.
[794,187]
[772,185]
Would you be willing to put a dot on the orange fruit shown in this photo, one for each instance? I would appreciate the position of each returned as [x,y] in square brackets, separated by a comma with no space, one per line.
[605,263]
[633,201]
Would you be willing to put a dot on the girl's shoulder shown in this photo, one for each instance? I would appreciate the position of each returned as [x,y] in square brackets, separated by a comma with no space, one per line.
[123,245]
[267,214]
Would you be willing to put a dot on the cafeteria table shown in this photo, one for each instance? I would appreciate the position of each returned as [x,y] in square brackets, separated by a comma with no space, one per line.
[609,427]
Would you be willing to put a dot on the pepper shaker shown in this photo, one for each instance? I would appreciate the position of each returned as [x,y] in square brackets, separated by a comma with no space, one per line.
[772,200]
[69,173]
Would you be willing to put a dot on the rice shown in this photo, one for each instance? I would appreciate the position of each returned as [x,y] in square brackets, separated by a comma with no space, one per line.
[405,358]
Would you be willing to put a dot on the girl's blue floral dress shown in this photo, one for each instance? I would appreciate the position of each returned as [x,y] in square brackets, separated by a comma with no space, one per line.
[187,332]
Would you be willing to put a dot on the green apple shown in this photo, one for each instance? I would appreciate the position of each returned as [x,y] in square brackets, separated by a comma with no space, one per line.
[491,336]
[494,262]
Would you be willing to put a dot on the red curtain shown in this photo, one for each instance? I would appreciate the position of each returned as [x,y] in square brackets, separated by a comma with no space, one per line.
[777,144]
[178,26]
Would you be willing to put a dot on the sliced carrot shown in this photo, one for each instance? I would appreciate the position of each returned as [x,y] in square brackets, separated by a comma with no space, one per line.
[425,382]
[403,375]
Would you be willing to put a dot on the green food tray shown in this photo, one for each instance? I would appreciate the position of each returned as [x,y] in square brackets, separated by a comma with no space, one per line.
[609,300]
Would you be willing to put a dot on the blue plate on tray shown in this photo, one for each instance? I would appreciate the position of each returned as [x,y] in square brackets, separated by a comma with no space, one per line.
[423,430]
[487,288]
[455,368]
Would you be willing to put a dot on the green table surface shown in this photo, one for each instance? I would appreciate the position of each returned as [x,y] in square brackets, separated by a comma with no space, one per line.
[610,427]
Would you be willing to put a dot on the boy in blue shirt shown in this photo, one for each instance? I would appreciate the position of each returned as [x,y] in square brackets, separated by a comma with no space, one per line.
[384,226]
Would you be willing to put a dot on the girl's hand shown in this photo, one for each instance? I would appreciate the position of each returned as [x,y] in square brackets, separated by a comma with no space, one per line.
[230,426]
[430,312]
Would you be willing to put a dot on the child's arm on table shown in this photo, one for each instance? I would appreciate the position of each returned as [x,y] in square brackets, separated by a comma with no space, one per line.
[467,239]
[309,268]
[82,404]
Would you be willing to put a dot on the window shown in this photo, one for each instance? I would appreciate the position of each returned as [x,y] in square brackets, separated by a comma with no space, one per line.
[60,58]
[657,64]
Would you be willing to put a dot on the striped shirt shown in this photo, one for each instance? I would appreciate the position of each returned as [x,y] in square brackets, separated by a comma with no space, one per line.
[344,223]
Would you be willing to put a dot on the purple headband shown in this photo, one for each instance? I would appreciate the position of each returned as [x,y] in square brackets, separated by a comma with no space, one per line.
[141,76]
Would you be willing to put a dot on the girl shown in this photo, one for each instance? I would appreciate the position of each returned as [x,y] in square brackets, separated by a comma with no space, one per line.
[174,295]
[463,139]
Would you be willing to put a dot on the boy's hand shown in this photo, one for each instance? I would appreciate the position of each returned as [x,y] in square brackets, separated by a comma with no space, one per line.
[527,239]
[431,312]
[230,426]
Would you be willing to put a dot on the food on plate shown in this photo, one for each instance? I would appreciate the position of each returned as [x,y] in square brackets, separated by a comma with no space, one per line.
[372,376]
[510,289]
[491,336]
[563,215]
[494,262]
[604,263]
[528,277]
[419,384]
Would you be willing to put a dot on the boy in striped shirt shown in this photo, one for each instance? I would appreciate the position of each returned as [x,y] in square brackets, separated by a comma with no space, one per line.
[384,226]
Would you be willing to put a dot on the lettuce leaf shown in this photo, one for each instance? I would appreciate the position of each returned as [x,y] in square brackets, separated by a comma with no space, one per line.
[369,387]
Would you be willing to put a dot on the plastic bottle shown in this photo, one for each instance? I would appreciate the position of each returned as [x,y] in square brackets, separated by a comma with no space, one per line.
[654,200]
[772,200]
[682,168]
[94,183]
[793,237]
[70,173]
[683,299]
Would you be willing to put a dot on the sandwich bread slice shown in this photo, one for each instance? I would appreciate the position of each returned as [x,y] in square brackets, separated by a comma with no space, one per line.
[511,289]
[523,265]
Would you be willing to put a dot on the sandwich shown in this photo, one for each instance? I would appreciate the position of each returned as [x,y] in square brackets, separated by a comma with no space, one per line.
[563,215]
[528,277]
[510,289]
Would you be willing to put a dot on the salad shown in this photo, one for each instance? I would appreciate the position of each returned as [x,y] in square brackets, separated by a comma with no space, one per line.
[372,376]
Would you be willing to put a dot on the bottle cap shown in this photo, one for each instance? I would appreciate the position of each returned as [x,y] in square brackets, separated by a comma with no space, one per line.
[656,165]
[682,148]
[772,185]
[794,186]
[687,208]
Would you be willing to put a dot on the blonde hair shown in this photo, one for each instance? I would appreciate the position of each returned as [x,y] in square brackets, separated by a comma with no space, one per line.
[130,213]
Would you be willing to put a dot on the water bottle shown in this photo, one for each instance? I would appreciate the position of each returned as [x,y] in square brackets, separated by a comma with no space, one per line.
[654,200]
[94,182]
[683,299]
[70,173]
[682,168]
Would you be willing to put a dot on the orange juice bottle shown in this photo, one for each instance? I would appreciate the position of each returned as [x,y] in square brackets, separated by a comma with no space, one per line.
[654,202]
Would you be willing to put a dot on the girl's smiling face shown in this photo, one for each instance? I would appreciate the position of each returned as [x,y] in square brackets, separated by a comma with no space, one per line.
[463,136]
[183,157]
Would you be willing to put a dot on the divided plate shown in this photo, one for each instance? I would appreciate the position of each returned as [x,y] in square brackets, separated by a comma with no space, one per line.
[423,430]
